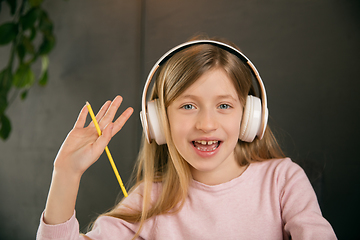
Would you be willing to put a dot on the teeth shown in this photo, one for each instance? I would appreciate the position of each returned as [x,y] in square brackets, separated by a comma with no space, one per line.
[206,142]
[202,145]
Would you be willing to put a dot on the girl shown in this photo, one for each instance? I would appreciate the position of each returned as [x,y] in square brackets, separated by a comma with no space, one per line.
[209,167]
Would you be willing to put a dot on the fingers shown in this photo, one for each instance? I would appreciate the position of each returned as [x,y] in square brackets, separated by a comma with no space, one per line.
[103,111]
[107,112]
[111,111]
[119,123]
[104,139]
[80,122]
[106,115]
[112,128]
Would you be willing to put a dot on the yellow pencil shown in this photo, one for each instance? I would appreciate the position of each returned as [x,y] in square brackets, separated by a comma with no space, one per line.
[107,150]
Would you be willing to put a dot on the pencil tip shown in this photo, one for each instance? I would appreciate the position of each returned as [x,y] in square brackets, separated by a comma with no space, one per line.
[87,103]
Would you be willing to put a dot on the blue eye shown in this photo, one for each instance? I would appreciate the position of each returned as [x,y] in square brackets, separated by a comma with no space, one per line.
[188,107]
[224,106]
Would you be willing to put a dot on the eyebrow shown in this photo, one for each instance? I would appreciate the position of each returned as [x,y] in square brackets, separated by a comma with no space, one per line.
[225,96]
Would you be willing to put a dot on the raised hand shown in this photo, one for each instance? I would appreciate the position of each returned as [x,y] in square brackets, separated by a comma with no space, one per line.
[81,148]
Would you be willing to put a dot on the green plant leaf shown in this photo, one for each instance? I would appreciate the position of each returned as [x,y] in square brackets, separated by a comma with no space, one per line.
[29,47]
[44,63]
[24,94]
[5,127]
[35,3]
[47,44]
[3,103]
[6,79]
[8,32]
[5,86]
[45,25]
[23,77]
[43,79]
[12,4]
[25,46]
[44,70]
[21,51]
[29,19]
[32,33]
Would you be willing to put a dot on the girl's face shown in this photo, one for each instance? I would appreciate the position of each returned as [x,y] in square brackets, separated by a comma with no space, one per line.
[205,123]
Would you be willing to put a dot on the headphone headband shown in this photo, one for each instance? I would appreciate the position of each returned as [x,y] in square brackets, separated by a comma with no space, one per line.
[171,52]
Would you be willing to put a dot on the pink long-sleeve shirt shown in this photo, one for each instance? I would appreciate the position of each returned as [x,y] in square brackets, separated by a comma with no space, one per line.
[270,200]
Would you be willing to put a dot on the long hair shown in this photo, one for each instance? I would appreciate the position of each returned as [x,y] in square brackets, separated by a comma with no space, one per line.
[163,164]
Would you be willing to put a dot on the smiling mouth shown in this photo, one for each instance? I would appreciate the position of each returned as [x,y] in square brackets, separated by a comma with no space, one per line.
[206,146]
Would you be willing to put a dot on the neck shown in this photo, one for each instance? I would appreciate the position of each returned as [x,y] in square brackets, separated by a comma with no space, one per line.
[218,177]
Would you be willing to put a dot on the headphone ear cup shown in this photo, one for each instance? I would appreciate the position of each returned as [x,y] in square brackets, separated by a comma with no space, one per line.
[251,119]
[156,129]
[145,126]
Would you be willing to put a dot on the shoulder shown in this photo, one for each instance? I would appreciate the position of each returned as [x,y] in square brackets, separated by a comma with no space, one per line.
[286,166]
[290,179]
[280,171]
[278,166]
[281,162]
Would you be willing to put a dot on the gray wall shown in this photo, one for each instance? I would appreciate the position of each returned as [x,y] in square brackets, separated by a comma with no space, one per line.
[307,53]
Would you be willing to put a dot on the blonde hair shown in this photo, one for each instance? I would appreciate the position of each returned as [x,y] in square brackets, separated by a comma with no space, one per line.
[163,164]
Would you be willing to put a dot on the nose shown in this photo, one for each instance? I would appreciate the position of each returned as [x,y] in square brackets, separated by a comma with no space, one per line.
[206,121]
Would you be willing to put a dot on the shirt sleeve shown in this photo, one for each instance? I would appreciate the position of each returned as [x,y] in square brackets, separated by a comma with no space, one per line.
[66,230]
[105,227]
[301,213]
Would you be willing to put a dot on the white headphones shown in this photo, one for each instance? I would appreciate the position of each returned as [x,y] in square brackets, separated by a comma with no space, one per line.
[255,115]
